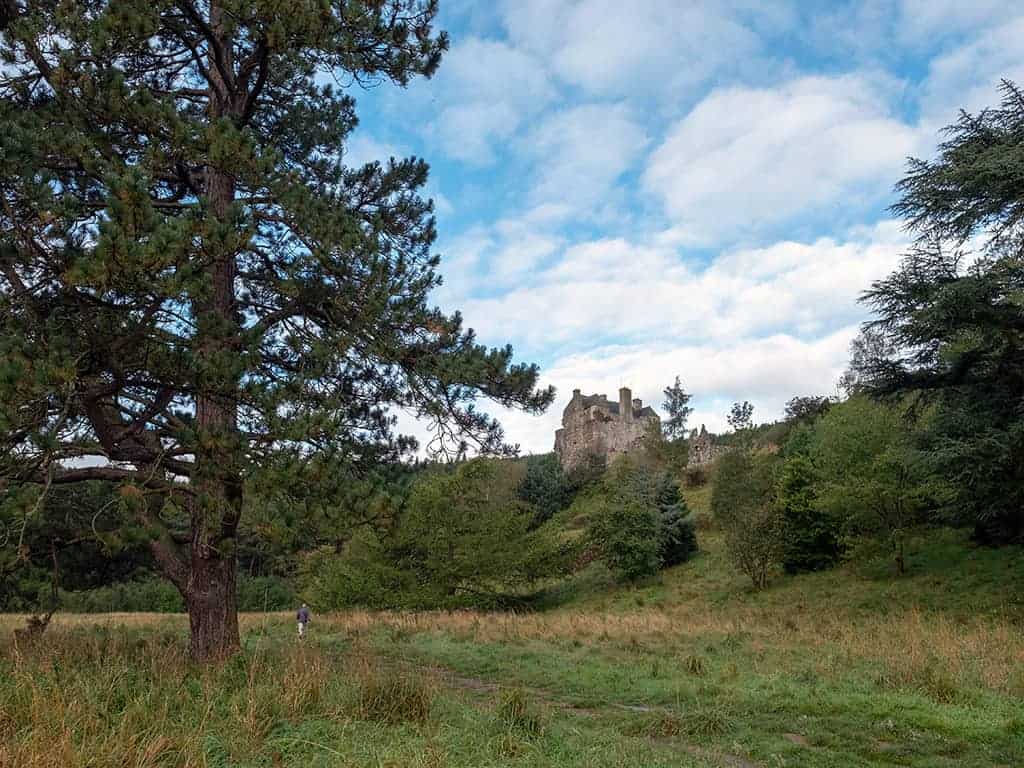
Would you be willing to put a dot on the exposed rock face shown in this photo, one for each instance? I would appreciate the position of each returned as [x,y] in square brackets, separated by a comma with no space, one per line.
[594,425]
[702,449]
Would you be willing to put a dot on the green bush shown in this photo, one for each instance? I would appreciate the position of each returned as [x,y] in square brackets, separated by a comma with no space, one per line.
[628,535]
[678,537]
[545,487]
[745,509]
[871,474]
[363,575]
[812,538]
[638,520]
[463,539]
[265,593]
[149,593]
[678,534]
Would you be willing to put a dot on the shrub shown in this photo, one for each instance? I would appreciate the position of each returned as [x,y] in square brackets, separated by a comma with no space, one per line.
[464,538]
[628,534]
[678,535]
[465,533]
[586,474]
[870,473]
[147,594]
[152,594]
[639,521]
[363,574]
[265,593]
[745,510]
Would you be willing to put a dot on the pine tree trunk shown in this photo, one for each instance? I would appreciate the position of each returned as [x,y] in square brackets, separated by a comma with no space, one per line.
[210,591]
[212,609]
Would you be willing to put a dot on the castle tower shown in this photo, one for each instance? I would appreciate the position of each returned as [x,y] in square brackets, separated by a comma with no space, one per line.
[625,404]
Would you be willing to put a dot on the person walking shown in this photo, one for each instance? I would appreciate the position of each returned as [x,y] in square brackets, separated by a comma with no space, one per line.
[303,618]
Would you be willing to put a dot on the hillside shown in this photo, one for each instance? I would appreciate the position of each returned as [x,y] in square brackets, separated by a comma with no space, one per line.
[850,667]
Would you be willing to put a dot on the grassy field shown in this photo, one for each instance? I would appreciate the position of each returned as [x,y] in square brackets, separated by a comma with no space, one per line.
[846,668]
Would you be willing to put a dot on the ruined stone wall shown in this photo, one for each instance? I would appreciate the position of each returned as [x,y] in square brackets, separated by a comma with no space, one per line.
[703,450]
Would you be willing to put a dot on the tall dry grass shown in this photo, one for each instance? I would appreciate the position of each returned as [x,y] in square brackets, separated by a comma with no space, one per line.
[102,693]
[983,651]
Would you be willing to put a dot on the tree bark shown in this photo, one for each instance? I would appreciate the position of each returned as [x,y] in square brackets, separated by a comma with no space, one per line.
[212,609]
[210,588]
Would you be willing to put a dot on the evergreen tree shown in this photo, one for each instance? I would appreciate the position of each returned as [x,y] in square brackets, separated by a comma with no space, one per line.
[869,351]
[812,537]
[677,407]
[639,520]
[953,319]
[678,535]
[464,532]
[195,291]
[544,487]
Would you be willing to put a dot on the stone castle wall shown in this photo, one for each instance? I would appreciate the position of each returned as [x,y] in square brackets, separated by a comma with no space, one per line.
[703,450]
[594,425]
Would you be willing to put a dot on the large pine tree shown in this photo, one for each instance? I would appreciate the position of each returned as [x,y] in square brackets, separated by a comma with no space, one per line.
[195,289]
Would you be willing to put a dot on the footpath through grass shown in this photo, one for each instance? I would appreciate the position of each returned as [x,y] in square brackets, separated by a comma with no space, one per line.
[847,668]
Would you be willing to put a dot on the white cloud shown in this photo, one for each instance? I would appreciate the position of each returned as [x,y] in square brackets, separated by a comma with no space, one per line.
[608,47]
[967,77]
[757,151]
[926,20]
[760,324]
[581,152]
[361,149]
[487,89]
[498,255]
[745,158]
[614,289]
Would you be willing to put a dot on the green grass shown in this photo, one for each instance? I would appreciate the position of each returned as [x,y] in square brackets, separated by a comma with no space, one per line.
[852,667]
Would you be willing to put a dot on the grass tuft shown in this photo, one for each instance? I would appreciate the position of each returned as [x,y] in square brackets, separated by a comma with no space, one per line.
[700,723]
[694,665]
[389,695]
[519,713]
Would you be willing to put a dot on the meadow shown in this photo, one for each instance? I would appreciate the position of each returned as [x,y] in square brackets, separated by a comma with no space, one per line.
[848,667]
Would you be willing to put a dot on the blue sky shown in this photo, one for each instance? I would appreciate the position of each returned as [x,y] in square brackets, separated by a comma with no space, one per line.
[627,191]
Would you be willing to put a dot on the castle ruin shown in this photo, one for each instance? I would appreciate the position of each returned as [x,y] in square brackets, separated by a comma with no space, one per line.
[594,425]
[703,450]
